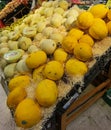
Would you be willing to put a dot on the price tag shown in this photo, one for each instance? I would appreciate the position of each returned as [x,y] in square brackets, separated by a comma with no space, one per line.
[108,4]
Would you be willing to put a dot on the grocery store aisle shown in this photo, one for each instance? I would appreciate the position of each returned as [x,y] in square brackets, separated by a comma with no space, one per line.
[97,117]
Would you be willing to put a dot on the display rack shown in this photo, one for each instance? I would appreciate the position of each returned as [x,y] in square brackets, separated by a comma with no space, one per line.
[65,106]
[54,123]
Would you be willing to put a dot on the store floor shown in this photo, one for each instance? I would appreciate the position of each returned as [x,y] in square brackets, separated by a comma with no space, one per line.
[97,117]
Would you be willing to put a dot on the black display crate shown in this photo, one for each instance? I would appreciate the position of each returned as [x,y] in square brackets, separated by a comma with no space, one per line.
[17,13]
[102,63]
[53,123]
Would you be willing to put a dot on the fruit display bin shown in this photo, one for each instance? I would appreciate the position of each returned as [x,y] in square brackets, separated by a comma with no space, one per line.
[70,87]
[63,105]
[53,122]
[17,13]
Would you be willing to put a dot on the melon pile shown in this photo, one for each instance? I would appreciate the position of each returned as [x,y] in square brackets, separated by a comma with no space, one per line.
[50,42]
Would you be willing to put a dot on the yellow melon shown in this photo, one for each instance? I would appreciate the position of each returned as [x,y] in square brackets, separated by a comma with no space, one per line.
[69,43]
[85,20]
[87,39]
[83,51]
[77,33]
[19,81]
[28,113]
[75,67]
[35,59]
[54,70]
[46,92]
[99,29]
[99,10]
[109,27]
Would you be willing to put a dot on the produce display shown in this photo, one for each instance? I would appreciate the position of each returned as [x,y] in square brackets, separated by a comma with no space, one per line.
[14,9]
[57,40]
[11,6]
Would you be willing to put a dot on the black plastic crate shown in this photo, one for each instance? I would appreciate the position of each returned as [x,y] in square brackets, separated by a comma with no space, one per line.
[63,105]
[53,122]
[18,13]
[104,59]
